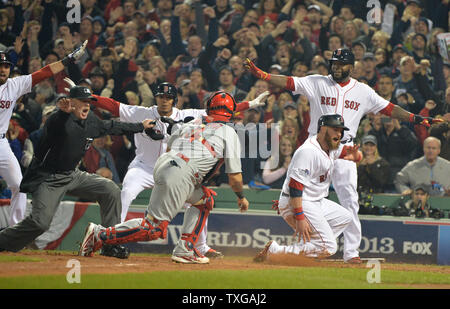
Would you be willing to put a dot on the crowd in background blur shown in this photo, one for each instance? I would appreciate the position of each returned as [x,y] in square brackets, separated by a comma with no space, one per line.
[200,46]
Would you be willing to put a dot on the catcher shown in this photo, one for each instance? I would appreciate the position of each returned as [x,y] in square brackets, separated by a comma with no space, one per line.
[195,150]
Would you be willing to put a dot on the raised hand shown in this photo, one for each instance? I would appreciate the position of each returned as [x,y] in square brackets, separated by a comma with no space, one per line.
[257,72]
[259,100]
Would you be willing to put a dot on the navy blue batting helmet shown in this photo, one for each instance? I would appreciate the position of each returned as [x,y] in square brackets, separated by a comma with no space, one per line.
[331,120]
[343,55]
[167,89]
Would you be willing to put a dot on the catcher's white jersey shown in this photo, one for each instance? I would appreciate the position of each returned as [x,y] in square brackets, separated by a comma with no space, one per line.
[325,96]
[147,149]
[10,91]
[311,166]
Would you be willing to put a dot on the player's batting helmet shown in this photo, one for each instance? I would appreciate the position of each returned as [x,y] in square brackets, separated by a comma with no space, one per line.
[4,58]
[343,55]
[167,89]
[331,120]
[221,106]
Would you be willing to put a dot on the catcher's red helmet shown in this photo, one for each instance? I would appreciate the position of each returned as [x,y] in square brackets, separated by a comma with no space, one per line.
[221,106]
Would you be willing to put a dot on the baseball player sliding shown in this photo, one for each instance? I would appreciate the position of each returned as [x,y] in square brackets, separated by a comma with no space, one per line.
[140,174]
[316,220]
[195,150]
[341,94]
[12,89]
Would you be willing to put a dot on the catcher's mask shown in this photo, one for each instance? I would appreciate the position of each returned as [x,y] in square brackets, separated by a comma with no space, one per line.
[221,106]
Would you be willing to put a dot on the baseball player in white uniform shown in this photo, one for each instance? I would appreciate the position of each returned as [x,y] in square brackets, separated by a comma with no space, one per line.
[194,150]
[341,94]
[140,174]
[317,220]
[12,89]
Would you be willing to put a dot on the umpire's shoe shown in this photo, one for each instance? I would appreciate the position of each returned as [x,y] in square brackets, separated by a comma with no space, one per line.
[116,251]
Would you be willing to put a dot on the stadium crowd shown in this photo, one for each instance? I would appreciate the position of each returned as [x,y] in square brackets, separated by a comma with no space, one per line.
[200,46]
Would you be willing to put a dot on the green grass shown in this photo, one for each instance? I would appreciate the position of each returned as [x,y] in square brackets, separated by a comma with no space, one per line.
[7,259]
[290,278]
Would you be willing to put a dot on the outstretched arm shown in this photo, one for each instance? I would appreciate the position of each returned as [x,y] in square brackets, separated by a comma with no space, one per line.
[258,101]
[56,67]
[399,113]
[282,81]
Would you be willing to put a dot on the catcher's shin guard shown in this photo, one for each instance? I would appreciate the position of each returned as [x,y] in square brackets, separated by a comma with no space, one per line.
[190,239]
[143,231]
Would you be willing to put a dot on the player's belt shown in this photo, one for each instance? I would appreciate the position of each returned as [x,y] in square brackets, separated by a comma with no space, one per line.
[2,135]
[347,141]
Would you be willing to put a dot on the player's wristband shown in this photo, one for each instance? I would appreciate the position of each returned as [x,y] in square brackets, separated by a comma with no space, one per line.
[411,117]
[240,195]
[298,214]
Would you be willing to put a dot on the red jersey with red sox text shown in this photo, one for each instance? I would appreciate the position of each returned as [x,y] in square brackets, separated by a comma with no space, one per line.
[351,100]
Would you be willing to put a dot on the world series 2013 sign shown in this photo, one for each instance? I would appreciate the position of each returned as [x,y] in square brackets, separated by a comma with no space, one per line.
[395,239]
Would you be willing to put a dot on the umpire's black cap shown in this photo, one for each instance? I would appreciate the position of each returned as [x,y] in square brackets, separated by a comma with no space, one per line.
[343,55]
[332,120]
[81,93]
[4,58]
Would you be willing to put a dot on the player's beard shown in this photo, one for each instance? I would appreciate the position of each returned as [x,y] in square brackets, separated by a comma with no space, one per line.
[342,78]
[332,145]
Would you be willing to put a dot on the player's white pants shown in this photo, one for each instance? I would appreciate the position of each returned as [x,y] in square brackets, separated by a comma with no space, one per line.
[140,177]
[345,178]
[327,220]
[10,171]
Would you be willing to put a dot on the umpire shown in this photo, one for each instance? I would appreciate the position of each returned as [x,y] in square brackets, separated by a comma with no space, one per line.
[53,172]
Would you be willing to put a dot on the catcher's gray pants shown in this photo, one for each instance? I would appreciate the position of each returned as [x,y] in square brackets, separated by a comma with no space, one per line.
[47,197]
[175,184]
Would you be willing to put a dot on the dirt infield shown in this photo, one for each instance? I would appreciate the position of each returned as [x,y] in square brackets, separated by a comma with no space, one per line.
[55,263]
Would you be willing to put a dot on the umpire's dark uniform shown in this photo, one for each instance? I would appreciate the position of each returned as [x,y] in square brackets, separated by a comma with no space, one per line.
[54,173]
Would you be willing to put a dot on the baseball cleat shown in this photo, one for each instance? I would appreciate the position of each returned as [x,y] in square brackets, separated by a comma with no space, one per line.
[190,259]
[90,244]
[262,256]
[213,254]
[354,260]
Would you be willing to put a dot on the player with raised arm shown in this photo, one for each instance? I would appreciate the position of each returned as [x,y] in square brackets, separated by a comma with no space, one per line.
[11,89]
[339,93]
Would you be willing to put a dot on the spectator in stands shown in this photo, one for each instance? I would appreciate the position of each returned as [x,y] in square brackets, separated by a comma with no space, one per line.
[373,170]
[105,172]
[370,69]
[414,83]
[429,169]
[275,168]
[419,201]
[98,156]
[442,132]
[396,143]
[386,88]
[226,84]
[359,49]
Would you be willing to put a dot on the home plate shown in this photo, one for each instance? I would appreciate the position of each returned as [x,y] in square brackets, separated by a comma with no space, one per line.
[381,260]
